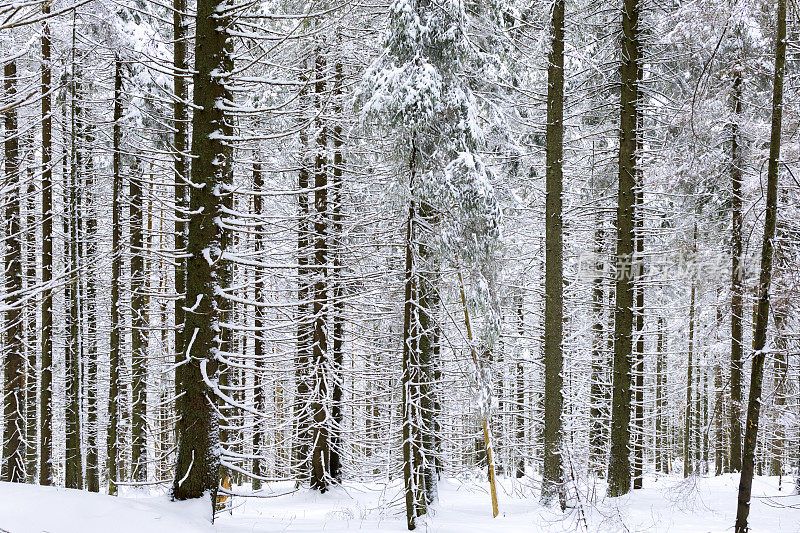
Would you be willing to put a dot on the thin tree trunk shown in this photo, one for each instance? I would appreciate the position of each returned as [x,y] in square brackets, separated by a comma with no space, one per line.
[520,396]
[597,457]
[765,278]
[780,378]
[139,325]
[661,447]
[737,278]
[73,476]
[552,475]
[638,440]
[112,438]
[46,380]
[335,467]
[90,379]
[302,412]
[688,418]
[259,324]
[31,382]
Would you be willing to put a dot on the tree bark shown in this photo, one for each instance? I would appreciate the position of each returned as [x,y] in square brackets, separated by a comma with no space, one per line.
[619,471]
[112,439]
[46,379]
[335,467]
[198,461]
[552,475]
[737,277]
[139,327]
[13,467]
[765,278]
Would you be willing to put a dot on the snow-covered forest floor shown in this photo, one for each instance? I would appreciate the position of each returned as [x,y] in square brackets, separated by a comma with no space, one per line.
[668,503]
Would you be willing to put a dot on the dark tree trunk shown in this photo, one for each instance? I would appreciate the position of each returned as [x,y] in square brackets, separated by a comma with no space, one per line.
[335,467]
[139,326]
[619,471]
[321,364]
[112,447]
[638,372]
[519,421]
[597,437]
[661,447]
[90,334]
[552,475]
[688,417]
[181,165]
[198,460]
[259,352]
[765,278]
[73,475]
[737,278]
[46,380]
[14,361]
[31,382]
[304,321]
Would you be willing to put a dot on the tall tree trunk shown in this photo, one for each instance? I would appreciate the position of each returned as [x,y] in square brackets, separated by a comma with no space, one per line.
[765,278]
[90,334]
[737,277]
[73,475]
[259,324]
[198,460]
[321,364]
[181,168]
[139,326]
[46,380]
[552,475]
[112,439]
[335,467]
[412,369]
[14,358]
[619,471]
[302,411]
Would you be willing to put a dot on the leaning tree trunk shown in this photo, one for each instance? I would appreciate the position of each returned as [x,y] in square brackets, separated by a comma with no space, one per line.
[198,460]
[13,468]
[765,278]
[552,475]
[619,468]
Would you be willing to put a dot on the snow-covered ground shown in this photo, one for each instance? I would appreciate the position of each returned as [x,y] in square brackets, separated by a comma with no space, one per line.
[667,504]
